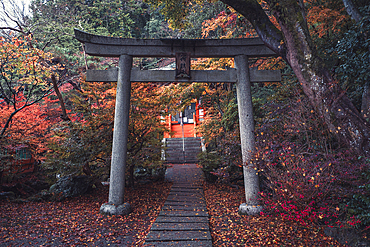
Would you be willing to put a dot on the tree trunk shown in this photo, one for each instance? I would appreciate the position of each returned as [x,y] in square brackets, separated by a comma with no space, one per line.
[60,97]
[352,10]
[296,47]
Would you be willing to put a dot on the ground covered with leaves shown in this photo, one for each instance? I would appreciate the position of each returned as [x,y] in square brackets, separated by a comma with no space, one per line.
[228,228]
[77,221]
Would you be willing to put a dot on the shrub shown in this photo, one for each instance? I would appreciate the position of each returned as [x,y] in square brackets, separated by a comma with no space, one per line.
[305,173]
[359,205]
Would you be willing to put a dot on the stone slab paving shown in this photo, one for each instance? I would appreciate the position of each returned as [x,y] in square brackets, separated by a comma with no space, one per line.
[183,220]
[164,219]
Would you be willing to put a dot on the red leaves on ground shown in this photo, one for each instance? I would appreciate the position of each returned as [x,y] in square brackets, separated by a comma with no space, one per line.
[77,221]
[228,228]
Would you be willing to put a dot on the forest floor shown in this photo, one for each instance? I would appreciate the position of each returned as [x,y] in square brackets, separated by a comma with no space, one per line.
[77,221]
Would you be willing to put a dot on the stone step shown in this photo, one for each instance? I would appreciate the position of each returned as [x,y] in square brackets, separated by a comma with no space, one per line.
[183,220]
[174,152]
[185,204]
[185,197]
[186,144]
[180,227]
[184,213]
[184,200]
[178,236]
[186,140]
[199,243]
[178,147]
[178,155]
[184,207]
[191,184]
[180,152]
[186,193]
[188,149]
[190,159]
[173,219]
[186,186]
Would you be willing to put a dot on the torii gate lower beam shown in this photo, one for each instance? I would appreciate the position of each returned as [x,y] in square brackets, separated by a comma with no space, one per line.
[207,76]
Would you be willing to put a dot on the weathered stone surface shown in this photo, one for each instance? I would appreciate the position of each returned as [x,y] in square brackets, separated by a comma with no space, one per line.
[120,132]
[184,207]
[183,220]
[245,209]
[247,139]
[187,204]
[179,226]
[178,236]
[200,243]
[163,219]
[347,236]
[193,185]
[113,47]
[208,76]
[70,186]
[188,194]
[187,190]
[184,213]
[185,199]
[110,209]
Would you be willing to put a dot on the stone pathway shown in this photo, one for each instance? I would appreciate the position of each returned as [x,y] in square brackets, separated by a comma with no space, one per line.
[183,220]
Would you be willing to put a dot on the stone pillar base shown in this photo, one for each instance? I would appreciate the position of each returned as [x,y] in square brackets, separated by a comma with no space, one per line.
[245,209]
[110,209]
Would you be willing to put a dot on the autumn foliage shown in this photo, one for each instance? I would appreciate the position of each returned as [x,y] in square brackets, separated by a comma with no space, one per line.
[74,144]
[309,179]
[27,107]
[228,228]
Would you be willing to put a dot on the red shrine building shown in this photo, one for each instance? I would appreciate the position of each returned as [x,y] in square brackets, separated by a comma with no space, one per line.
[183,124]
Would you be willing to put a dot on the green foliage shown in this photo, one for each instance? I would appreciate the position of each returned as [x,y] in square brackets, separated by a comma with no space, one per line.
[359,205]
[198,14]
[210,162]
[188,16]
[353,53]
[157,27]
[53,23]
[175,11]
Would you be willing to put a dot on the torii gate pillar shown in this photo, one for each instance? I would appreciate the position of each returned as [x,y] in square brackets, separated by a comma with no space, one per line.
[116,203]
[246,123]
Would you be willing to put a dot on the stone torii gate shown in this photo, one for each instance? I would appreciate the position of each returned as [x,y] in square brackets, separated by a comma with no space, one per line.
[126,49]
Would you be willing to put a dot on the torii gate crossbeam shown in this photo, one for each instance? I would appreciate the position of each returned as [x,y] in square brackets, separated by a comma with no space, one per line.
[126,49]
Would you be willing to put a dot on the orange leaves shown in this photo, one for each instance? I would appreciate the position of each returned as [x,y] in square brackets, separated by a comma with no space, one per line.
[226,24]
[30,65]
[325,18]
[29,125]
[212,63]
